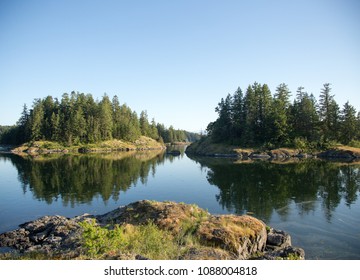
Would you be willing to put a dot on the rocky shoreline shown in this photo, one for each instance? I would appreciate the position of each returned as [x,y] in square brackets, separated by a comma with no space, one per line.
[47,147]
[209,149]
[220,236]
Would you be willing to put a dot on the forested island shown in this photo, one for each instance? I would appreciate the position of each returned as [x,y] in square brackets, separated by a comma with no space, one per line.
[79,119]
[258,119]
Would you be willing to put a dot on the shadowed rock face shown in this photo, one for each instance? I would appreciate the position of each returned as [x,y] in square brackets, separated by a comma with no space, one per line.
[49,234]
[221,237]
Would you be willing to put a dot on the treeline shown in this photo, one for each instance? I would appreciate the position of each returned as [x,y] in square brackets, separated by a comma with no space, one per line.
[258,118]
[78,118]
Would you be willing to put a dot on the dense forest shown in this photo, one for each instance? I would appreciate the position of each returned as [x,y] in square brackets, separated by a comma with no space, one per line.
[78,118]
[260,119]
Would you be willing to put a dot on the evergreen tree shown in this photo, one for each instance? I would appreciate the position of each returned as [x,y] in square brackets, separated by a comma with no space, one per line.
[48,107]
[65,125]
[281,122]
[328,113]
[163,132]
[349,127]
[116,118]
[134,127]
[221,129]
[105,118]
[250,113]
[304,118]
[238,115]
[91,113]
[23,124]
[55,127]
[78,123]
[36,120]
[265,113]
[154,134]
[144,124]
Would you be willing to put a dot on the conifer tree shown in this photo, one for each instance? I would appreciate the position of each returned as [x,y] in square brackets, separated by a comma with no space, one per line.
[36,120]
[281,122]
[105,118]
[328,113]
[349,127]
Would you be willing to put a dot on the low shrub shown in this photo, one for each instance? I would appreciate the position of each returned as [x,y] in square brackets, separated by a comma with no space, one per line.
[145,240]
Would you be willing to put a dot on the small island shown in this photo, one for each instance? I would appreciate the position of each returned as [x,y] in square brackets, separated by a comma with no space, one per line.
[259,125]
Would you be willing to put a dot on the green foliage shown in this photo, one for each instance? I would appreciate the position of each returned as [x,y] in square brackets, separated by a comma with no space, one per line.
[79,119]
[349,126]
[98,240]
[147,240]
[354,143]
[258,119]
[304,145]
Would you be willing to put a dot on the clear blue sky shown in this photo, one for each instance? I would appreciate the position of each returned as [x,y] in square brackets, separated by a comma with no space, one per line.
[176,59]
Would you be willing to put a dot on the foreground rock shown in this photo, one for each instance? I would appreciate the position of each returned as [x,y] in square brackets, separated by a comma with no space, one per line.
[220,237]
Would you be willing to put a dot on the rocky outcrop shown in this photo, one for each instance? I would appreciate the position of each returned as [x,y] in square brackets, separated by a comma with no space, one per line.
[206,148]
[50,235]
[346,154]
[219,237]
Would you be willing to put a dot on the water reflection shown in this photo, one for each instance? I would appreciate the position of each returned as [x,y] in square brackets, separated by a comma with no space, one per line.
[81,178]
[262,187]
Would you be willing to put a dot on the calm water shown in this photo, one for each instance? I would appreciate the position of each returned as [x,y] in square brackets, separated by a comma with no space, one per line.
[315,201]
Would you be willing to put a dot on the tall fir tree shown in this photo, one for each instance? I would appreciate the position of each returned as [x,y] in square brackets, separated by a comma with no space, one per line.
[281,122]
[348,126]
[105,118]
[328,113]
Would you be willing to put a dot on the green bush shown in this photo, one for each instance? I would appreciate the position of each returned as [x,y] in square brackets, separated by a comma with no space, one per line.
[354,143]
[146,240]
[300,143]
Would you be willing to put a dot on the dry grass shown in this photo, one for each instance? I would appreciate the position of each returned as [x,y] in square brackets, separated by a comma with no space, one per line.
[38,147]
[348,148]
[230,231]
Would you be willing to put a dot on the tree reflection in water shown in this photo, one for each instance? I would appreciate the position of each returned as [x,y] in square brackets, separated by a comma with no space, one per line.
[262,186]
[80,178]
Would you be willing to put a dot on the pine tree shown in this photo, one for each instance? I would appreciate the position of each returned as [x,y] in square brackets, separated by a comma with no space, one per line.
[250,117]
[65,125]
[144,124]
[304,117]
[265,113]
[238,116]
[36,120]
[48,107]
[105,118]
[154,134]
[349,127]
[116,112]
[281,122]
[23,123]
[328,113]
[222,127]
[55,127]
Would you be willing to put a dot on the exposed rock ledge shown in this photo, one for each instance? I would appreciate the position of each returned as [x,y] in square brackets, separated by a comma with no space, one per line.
[207,148]
[221,237]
